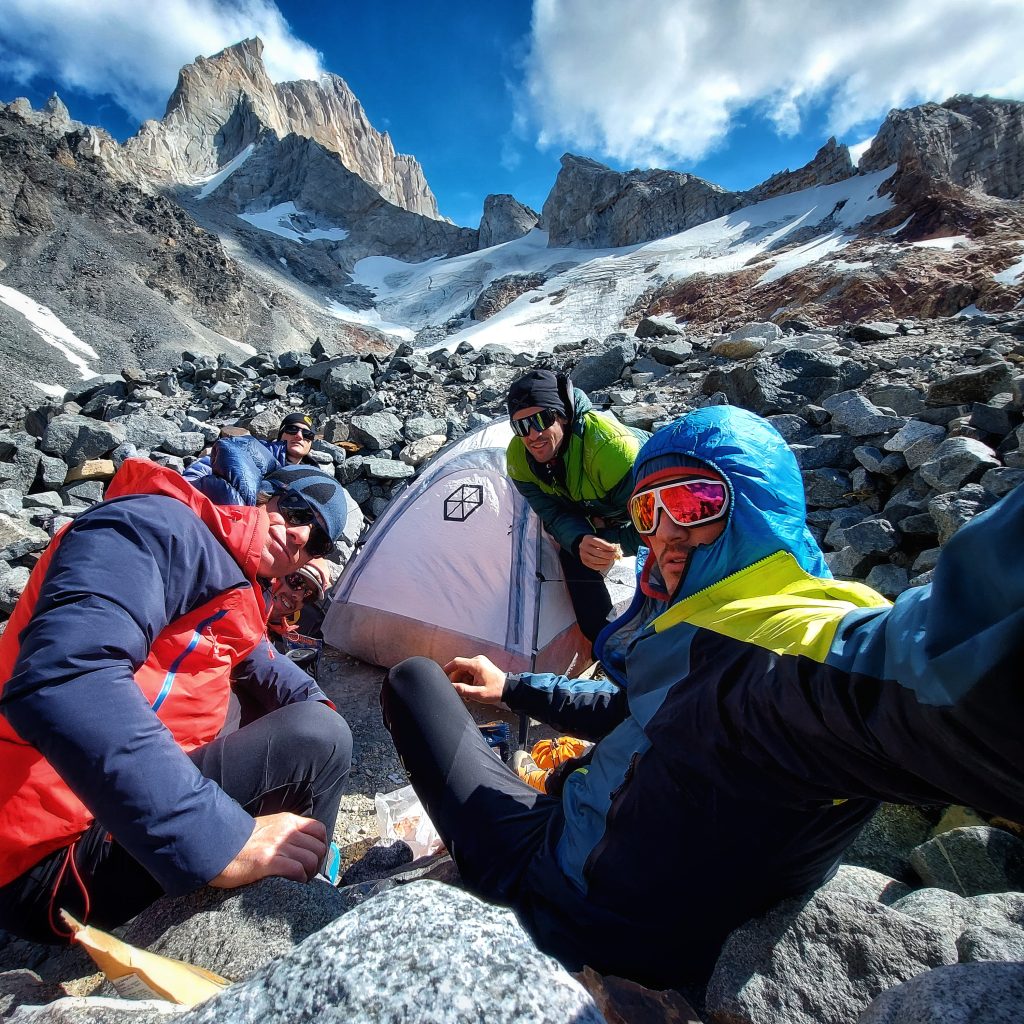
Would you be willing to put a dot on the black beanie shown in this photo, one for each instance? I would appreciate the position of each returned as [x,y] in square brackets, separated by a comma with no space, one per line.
[301,419]
[536,388]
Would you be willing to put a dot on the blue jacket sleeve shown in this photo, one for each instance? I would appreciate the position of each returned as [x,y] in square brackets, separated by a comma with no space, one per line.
[238,466]
[587,708]
[274,680]
[116,580]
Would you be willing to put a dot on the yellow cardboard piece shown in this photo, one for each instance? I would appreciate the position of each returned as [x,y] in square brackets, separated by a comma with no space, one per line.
[139,974]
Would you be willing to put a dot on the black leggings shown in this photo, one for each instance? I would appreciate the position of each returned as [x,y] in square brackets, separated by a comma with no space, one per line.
[491,822]
[296,759]
[588,592]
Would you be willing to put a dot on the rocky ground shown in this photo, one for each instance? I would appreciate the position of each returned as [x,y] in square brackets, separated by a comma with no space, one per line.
[903,430]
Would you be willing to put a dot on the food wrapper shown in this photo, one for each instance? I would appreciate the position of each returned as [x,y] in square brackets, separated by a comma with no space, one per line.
[400,815]
[139,974]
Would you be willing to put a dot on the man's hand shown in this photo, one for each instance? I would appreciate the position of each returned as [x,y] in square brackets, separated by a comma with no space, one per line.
[477,679]
[282,845]
[598,554]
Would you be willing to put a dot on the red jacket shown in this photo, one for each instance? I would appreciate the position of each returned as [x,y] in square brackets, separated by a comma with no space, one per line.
[185,677]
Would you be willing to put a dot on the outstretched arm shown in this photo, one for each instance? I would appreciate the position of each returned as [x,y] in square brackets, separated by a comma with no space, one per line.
[585,708]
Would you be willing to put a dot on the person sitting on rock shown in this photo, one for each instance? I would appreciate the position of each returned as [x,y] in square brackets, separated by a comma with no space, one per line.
[115,669]
[572,464]
[235,465]
[756,712]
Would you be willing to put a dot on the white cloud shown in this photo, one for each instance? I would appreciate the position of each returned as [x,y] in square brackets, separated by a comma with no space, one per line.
[660,81]
[133,50]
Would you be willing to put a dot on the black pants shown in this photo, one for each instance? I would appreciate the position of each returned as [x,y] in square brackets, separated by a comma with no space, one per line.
[590,598]
[491,821]
[295,759]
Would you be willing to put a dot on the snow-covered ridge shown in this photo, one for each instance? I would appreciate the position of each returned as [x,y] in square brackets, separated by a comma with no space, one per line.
[588,290]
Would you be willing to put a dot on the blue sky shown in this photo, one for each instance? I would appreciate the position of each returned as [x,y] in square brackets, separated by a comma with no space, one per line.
[487,96]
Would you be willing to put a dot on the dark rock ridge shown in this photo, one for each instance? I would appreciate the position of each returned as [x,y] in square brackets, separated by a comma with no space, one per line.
[223,103]
[830,164]
[974,142]
[304,172]
[594,207]
[131,273]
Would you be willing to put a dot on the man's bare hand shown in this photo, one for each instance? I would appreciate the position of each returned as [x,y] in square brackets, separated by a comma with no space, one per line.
[598,554]
[476,679]
[282,845]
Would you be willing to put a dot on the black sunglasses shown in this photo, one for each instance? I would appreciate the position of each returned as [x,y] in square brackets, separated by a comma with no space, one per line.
[296,582]
[308,435]
[538,421]
[296,512]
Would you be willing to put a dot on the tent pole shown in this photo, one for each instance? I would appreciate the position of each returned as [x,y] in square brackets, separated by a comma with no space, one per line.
[524,718]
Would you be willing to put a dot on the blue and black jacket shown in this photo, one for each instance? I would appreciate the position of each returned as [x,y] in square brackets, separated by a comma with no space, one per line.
[756,716]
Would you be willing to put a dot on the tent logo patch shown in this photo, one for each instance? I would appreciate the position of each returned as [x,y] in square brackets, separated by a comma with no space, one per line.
[463,502]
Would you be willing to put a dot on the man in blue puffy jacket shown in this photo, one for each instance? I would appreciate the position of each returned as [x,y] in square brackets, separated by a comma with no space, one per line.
[757,712]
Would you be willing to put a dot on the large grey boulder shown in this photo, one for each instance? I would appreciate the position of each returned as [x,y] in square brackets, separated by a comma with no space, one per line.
[376,431]
[978,384]
[234,932]
[958,994]
[147,430]
[953,509]
[75,438]
[423,952]
[348,385]
[957,460]
[604,367]
[985,927]
[819,961]
[18,537]
[853,414]
[971,861]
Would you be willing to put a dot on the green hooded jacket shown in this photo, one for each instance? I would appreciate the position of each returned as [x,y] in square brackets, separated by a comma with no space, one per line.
[593,480]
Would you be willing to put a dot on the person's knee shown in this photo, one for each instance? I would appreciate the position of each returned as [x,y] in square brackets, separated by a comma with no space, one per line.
[315,728]
[410,675]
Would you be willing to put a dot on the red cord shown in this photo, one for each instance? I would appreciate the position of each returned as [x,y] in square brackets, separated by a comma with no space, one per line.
[69,858]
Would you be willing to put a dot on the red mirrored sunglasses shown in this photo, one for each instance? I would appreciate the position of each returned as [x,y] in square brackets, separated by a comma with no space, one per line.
[687,503]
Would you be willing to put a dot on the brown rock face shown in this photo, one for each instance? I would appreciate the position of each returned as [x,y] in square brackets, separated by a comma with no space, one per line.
[975,142]
[223,103]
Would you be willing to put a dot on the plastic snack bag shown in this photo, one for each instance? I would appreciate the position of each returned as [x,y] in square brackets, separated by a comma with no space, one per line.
[139,974]
[400,815]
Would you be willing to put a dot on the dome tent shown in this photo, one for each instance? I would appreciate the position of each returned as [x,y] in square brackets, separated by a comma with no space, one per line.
[458,564]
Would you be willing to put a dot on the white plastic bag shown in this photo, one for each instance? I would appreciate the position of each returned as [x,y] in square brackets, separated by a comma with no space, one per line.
[400,815]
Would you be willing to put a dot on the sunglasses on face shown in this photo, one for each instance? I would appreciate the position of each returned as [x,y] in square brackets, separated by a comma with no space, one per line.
[296,512]
[539,421]
[307,435]
[296,582]
[686,502]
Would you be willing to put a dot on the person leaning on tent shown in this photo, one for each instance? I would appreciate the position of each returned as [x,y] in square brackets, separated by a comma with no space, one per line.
[757,711]
[572,464]
[115,670]
[217,474]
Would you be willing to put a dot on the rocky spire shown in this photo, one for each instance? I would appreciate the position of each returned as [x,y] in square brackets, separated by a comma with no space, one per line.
[225,102]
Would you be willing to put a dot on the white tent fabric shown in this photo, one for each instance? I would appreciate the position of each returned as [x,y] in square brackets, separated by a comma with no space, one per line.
[458,564]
